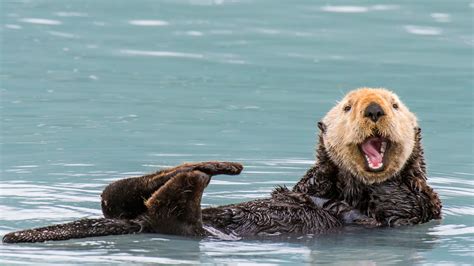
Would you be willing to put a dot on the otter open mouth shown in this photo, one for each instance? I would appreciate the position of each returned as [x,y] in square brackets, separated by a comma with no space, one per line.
[373,150]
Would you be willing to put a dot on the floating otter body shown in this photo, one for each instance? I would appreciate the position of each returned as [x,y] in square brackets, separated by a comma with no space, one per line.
[370,170]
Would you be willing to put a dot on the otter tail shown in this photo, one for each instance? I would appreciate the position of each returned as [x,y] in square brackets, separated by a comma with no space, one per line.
[77,229]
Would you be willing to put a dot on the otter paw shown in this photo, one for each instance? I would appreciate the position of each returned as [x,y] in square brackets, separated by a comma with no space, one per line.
[367,221]
[219,168]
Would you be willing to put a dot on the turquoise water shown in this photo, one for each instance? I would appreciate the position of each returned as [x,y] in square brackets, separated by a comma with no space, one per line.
[93,91]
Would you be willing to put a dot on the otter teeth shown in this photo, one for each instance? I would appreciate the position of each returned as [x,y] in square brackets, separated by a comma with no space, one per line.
[371,165]
[383,147]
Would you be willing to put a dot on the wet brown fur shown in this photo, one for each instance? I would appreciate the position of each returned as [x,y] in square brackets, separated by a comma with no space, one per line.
[403,199]
[332,192]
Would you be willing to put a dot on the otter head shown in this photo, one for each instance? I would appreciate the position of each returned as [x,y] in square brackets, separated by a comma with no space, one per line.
[370,133]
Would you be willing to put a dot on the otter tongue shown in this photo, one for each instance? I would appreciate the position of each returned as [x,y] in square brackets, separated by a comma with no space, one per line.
[371,149]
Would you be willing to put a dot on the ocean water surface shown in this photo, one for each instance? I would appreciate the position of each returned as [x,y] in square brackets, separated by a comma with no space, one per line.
[94,91]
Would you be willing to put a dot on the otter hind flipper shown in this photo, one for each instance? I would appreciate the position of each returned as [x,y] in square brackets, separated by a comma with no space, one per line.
[77,229]
[176,207]
[125,198]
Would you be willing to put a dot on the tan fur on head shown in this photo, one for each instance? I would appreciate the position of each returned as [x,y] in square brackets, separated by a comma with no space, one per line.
[346,128]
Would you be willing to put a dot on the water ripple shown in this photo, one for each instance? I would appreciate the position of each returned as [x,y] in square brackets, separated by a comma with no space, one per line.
[458,210]
[422,30]
[13,26]
[70,14]
[357,9]
[63,34]
[441,17]
[452,230]
[148,22]
[41,21]
[161,54]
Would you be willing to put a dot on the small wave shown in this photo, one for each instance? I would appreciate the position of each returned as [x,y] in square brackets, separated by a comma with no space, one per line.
[272,162]
[171,154]
[455,191]
[39,255]
[441,17]
[221,32]
[43,192]
[242,107]
[158,166]
[358,9]
[384,7]
[43,213]
[41,21]
[458,210]
[267,172]
[26,166]
[13,26]
[149,22]
[161,54]
[452,230]
[194,33]
[74,164]
[63,34]
[345,9]
[450,180]
[268,31]
[17,171]
[462,173]
[70,14]
[420,30]
[233,195]
[223,182]
[235,62]
[132,173]
[276,182]
[233,249]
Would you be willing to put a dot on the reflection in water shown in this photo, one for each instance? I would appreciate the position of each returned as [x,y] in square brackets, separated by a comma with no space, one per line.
[404,245]
[135,249]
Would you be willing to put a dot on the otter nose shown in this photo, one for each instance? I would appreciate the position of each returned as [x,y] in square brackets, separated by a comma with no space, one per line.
[374,112]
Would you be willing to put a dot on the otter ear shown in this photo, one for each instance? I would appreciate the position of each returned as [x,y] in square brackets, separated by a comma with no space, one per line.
[418,130]
[322,127]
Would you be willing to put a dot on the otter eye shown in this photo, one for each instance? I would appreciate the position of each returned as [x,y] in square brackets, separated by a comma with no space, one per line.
[347,108]
[395,106]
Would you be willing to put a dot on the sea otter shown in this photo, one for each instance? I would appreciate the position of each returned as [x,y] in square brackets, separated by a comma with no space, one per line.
[369,170]
[370,157]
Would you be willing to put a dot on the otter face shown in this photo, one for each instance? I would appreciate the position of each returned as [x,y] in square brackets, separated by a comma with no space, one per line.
[370,133]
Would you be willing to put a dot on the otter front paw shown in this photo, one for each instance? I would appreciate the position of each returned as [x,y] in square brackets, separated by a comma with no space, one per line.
[367,221]
[219,168]
[209,168]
